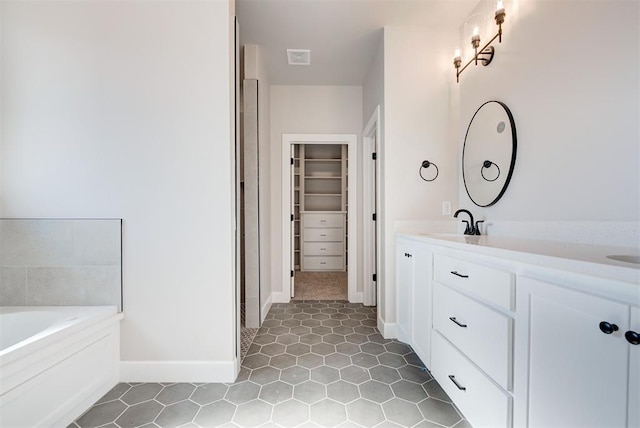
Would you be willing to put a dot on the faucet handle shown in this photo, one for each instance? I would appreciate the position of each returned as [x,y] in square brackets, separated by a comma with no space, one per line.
[477,228]
[468,230]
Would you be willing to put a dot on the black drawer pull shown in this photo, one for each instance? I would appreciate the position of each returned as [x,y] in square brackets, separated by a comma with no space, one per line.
[457,322]
[632,337]
[607,328]
[455,272]
[455,382]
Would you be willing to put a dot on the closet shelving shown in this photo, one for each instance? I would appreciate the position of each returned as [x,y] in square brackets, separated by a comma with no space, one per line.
[320,207]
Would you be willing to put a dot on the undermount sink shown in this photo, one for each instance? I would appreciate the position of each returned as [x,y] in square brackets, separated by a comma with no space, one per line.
[625,258]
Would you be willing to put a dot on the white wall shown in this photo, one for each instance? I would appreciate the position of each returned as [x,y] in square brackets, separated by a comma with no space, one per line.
[568,70]
[124,109]
[305,110]
[416,127]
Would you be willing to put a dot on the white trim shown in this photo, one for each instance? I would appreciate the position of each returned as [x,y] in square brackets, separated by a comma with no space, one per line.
[281,296]
[370,139]
[351,140]
[388,330]
[265,308]
[179,371]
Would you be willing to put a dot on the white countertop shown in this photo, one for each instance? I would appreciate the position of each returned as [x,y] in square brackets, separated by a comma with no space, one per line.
[581,258]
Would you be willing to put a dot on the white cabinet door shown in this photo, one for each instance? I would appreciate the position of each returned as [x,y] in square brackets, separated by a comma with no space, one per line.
[421,303]
[634,369]
[577,375]
[413,284]
[404,288]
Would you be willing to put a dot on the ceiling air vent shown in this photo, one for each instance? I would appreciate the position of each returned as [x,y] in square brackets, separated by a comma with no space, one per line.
[299,56]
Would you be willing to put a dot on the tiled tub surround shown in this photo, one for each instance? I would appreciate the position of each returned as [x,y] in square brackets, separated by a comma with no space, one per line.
[312,364]
[55,362]
[60,262]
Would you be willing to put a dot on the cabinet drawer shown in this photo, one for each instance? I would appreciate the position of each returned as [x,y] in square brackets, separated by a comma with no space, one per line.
[323,263]
[494,285]
[321,235]
[323,249]
[323,220]
[482,334]
[482,402]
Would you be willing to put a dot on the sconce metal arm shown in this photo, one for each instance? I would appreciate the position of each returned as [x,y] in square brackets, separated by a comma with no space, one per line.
[485,61]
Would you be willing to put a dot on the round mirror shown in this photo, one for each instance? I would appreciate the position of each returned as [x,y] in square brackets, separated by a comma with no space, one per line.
[489,153]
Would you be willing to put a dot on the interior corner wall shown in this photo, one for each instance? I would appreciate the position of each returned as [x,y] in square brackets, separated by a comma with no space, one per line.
[305,110]
[123,110]
[255,69]
[569,71]
[416,128]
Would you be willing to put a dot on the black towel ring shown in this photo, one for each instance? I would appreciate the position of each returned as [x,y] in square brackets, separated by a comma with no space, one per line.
[487,164]
[427,164]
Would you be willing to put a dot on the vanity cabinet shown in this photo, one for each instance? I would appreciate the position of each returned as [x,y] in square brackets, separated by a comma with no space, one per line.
[413,272]
[577,366]
[522,339]
[473,338]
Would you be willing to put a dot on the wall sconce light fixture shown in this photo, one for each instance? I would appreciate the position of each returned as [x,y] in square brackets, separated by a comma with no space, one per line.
[485,55]
[426,164]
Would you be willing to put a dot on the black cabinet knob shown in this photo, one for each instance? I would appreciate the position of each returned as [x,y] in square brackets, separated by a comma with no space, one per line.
[608,328]
[632,337]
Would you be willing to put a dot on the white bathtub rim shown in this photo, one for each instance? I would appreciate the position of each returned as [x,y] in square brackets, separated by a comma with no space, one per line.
[24,365]
[57,331]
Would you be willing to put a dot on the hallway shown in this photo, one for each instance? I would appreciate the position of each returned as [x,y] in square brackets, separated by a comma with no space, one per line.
[312,364]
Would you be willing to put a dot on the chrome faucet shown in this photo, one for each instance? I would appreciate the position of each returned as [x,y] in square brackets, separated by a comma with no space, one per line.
[471,227]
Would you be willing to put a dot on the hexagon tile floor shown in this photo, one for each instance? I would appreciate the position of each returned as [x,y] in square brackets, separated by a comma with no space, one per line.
[312,364]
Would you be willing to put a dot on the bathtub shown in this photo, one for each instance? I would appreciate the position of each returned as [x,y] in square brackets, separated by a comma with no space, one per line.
[55,362]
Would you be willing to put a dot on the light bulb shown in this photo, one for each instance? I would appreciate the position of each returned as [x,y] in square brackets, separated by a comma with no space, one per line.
[476,31]
[457,53]
[500,5]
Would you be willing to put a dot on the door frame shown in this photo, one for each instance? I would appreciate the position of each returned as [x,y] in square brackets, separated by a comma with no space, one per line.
[351,140]
[371,201]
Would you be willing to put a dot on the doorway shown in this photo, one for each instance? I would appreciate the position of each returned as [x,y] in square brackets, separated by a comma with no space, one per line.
[320,216]
[319,199]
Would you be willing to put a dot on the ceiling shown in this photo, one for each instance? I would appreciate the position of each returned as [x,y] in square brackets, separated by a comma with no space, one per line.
[343,35]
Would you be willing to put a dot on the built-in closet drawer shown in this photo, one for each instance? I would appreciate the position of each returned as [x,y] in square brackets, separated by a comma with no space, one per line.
[482,402]
[323,220]
[323,235]
[483,334]
[494,285]
[323,248]
[323,263]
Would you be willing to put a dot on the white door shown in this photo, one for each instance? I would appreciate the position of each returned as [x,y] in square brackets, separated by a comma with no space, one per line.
[370,215]
[577,373]
[292,228]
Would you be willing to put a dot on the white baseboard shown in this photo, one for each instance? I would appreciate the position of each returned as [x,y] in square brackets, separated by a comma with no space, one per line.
[179,371]
[281,297]
[356,297]
[265,308]
[388,330]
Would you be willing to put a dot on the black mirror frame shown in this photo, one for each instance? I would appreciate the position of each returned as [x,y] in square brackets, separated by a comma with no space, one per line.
[513,153]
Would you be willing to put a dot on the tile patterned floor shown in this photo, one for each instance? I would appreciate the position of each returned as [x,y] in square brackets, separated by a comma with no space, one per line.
[246,334]
[312,364]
